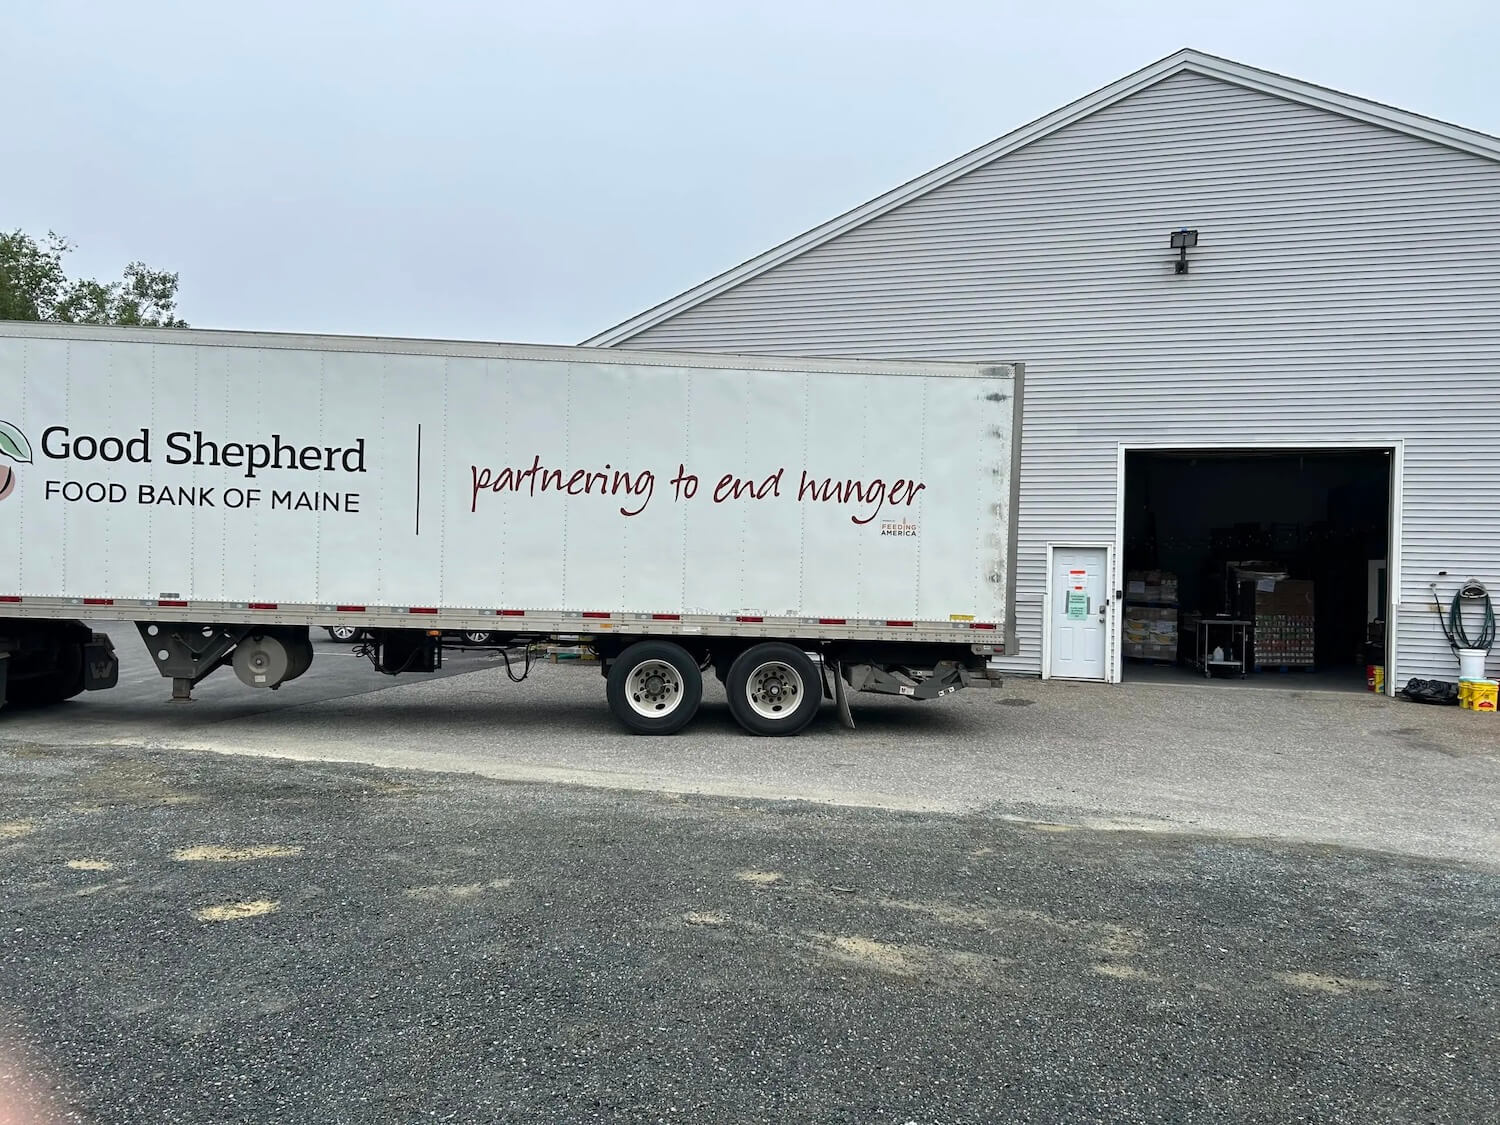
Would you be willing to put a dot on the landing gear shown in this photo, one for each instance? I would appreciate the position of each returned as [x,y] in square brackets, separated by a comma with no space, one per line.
[261,656]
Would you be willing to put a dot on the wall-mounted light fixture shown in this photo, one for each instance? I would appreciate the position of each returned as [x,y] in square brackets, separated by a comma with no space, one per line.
[1181,240]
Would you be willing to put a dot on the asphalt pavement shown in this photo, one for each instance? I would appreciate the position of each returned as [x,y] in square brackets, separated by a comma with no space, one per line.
[1349,769]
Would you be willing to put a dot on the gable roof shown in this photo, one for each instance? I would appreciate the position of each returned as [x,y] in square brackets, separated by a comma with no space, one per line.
[1319,97]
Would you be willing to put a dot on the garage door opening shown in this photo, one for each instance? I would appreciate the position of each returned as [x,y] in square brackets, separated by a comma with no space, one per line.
[1260,567]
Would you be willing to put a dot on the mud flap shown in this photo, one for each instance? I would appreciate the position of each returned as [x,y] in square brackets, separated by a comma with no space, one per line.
[841,697]
[101,667]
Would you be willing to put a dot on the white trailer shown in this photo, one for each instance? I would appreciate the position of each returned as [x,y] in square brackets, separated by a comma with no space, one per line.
[755,516]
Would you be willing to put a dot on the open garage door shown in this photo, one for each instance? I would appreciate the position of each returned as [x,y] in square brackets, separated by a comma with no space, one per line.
[1256,565]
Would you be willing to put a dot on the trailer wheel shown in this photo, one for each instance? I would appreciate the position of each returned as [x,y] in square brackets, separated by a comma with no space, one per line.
[774,689]
[345,634]
[655,687]
[54,686]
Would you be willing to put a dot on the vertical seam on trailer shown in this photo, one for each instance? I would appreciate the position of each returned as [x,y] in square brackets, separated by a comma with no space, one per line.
[801,507]
[257,589]
[228,383]
[507,381]
[322,440]
[567,460]
[626,524]
[442,568]
[193,525]
[744,385]
[68,416]
[687,448]
[21,534]
[152,588]
[921,468]
[859,542]
[382,595]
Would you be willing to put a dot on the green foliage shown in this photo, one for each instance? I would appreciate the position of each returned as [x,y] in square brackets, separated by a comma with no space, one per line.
[34,286]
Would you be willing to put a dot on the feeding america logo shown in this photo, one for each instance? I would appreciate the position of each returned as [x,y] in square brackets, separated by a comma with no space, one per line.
[13,447]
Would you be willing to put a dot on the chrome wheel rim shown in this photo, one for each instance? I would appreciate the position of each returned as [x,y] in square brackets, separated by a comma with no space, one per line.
[653,689]
[774,689]
[344,632]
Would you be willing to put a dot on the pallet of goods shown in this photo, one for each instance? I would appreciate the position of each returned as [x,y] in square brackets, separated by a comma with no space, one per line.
[1285,627]
[1151,616]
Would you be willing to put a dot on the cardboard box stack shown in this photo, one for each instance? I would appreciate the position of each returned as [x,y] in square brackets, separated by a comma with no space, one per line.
[1282,610]
[1150,632]
[1158,586]
[1151,615]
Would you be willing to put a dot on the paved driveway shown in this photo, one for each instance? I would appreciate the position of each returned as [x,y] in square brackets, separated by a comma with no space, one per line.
[1336,768]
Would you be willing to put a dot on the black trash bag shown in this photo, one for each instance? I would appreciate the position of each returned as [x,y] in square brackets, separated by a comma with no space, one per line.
[1430,691]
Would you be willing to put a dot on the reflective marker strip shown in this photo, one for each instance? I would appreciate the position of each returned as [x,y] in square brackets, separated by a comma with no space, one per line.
[420,609]
[510,613]
[596,616]
[750,620]
[166,603]
[98,601]
[9,599]
[261,605]
[349,609]
[832,621]
[898,624]
[666,617]
[980,625]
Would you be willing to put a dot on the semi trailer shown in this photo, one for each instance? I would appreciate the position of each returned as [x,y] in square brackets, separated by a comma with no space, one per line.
[802,529]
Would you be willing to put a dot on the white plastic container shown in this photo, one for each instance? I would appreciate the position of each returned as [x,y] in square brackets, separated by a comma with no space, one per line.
[1471,663]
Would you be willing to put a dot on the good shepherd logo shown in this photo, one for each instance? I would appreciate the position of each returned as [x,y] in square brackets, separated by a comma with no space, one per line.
[13,447]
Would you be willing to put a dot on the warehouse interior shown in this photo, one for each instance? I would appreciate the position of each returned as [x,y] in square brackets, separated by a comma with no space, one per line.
[1292,544]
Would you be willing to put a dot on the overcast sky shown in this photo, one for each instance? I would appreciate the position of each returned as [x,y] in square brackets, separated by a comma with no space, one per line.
[537,172]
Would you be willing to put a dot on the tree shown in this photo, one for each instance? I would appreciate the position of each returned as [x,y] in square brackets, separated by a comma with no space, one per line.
[34,286]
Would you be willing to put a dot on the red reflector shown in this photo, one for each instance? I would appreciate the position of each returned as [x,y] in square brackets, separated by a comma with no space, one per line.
[262,605]
[980,625]
[666,617]
[832,621]
[168,604]
[98,601]
[349,608]
[512,613]
[898,624]
[421,609]
[9,598]
[750,620]
[597,616]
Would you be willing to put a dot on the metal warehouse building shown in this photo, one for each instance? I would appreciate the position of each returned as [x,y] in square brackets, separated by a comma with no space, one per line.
[1302,397]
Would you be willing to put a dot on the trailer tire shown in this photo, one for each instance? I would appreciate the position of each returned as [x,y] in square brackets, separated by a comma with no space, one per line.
[345,634]
[774,689]
[61,683]
[655,687]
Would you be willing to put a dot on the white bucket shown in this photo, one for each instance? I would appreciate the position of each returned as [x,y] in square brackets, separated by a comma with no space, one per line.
[1471,663]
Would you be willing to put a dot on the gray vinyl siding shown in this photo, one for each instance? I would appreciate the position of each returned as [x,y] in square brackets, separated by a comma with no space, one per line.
[1346,288]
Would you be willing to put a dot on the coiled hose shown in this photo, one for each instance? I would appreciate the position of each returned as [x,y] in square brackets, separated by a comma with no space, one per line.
[1453,627]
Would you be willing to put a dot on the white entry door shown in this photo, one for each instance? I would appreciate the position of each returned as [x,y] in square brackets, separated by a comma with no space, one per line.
[1079,610]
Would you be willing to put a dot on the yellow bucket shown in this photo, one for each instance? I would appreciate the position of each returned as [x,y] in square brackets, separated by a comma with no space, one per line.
[1478,695]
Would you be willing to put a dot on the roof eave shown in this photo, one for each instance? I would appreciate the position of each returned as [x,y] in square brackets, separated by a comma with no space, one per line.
[1467,140]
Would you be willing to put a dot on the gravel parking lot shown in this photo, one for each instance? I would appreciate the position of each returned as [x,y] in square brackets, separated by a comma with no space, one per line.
[190,938]
[462,899]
